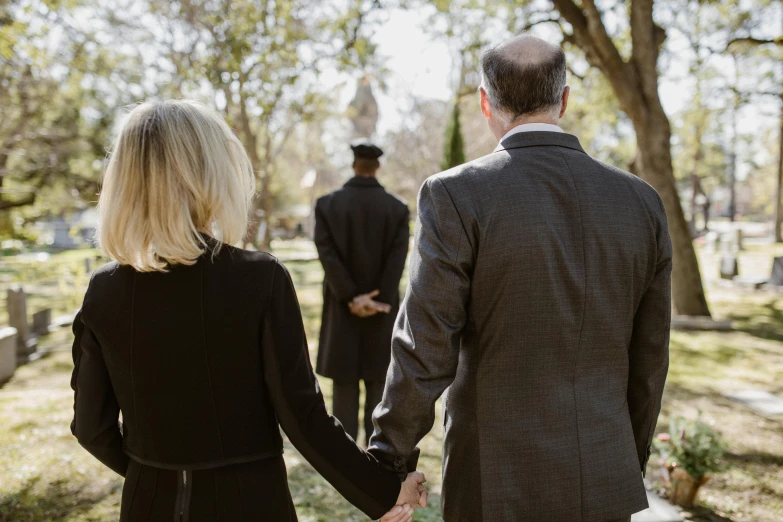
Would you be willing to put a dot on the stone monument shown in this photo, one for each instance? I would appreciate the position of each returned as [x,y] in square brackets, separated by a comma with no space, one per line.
[363,110]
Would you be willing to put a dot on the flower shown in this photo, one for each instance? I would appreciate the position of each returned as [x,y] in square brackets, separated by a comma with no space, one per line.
[664,437]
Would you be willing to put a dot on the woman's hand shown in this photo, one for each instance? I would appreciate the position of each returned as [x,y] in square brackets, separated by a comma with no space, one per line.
[412,494]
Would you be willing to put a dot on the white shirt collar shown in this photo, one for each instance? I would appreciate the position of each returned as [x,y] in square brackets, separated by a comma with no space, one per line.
[529,127]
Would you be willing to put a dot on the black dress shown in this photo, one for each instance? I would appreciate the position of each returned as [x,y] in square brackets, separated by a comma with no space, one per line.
[203,362]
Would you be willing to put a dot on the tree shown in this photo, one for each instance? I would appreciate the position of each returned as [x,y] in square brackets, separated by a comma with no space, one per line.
[56,110]
[453,145]
[260,63]
[750,34]
[630,65]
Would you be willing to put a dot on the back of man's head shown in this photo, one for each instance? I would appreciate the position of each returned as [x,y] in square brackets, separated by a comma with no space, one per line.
[524,75]
[366,166]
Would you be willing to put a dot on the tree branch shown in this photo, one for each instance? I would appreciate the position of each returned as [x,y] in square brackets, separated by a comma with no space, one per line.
[754,42]
[7,205]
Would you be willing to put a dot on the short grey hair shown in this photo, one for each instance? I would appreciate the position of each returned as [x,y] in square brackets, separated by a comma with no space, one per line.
[533,84]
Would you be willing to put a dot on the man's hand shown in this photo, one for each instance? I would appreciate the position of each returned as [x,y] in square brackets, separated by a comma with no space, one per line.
[412,495]
[364,306]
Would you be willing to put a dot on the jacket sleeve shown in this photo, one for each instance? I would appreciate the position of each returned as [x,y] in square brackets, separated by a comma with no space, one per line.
[96,411]
[395,261]
[335,272]
[300,409]
[648,353]
[427,335]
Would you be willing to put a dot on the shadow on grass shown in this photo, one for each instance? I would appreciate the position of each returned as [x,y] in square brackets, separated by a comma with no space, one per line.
[703,514]
[314,497]
[768,326]
[52,502]
[762,458]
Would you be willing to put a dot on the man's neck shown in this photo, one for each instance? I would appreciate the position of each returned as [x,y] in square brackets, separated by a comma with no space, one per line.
[524,120]
[364,175]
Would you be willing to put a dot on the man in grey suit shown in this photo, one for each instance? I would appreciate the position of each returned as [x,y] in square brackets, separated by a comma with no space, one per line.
[540,295]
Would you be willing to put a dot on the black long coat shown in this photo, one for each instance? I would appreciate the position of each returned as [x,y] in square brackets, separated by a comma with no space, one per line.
[203,362]
[362,234]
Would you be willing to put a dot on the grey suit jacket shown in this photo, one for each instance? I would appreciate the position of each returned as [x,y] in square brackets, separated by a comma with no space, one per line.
[540,296]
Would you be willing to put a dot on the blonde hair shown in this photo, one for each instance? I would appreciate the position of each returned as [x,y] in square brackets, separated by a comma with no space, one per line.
[176,171]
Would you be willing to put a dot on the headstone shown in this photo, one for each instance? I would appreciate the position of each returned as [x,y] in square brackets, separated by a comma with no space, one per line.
[725,244]
[62,234]
[87,265]
[659,511]
[7,353]
[728,266]
[760,401]
[17,318]
[776,278]
[711,242]
[41,321]
[699,323]
[736,239]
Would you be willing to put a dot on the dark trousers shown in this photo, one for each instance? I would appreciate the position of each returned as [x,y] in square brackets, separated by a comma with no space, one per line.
[345,405]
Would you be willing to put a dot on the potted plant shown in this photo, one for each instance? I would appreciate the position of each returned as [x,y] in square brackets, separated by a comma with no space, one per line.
[691,451]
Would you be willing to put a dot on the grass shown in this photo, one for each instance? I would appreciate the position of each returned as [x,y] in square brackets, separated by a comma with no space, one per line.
[45,476]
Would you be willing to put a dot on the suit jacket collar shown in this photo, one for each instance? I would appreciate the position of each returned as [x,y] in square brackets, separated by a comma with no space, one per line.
[540,139]
[363,182]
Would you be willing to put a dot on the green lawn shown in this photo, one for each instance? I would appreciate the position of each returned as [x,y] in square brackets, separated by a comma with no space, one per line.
[46,476]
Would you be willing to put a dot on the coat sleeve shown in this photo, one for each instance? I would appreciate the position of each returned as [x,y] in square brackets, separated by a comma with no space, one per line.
[300,409]
[648,354]
[96,411]
[335,272]
[395,261]
[427,335]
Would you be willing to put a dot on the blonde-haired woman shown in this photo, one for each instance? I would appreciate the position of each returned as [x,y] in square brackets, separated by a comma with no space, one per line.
[201,345]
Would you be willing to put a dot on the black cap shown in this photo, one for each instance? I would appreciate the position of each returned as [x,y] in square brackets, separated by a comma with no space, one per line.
[366,150]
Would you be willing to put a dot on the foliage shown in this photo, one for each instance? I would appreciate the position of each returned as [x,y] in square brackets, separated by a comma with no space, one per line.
[454,145]
[692,445]
[59,91]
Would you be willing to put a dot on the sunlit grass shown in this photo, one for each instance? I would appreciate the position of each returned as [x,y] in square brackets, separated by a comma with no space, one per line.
[45,476]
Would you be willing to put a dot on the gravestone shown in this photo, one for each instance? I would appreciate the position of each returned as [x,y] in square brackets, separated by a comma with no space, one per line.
[725,244]
[711,242]
[41,321]
[7,353]
[736,239]
[87,265]
[62,234]
[760,401]
[728,266]
[776,278]
[17,318]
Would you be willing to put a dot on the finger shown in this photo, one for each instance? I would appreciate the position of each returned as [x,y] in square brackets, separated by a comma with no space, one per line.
[374,293]
[418,476]
[423,498]
[405,514]
[393,515]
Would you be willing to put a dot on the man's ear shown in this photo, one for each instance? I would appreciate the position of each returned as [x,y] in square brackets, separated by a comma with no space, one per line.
[486,107]
[564,104]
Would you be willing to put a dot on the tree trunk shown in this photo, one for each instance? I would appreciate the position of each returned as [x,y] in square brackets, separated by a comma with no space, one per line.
[693,204]
[655,166]
[635,83]
[779,188]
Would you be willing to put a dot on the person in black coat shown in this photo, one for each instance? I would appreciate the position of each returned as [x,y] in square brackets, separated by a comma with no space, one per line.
[200,346]
[362,235]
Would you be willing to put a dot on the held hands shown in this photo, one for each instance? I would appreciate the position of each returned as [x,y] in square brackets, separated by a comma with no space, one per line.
[365,306]
[412,495]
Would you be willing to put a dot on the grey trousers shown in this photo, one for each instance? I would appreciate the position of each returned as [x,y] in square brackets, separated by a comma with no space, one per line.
[345,405]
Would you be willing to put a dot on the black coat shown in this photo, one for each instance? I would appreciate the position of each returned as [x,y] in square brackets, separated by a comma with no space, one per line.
[362,235]
[203,362]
